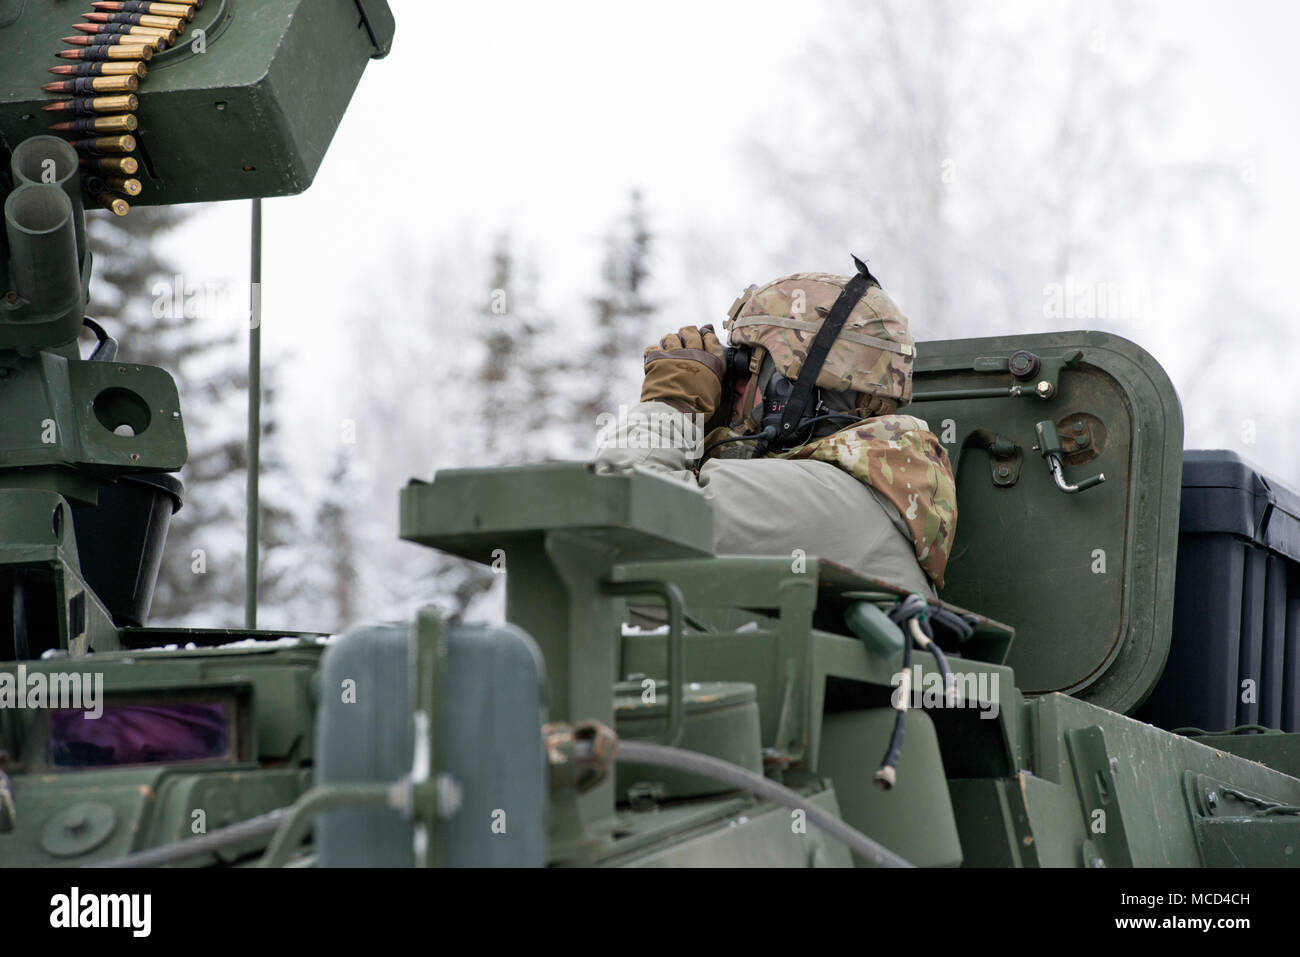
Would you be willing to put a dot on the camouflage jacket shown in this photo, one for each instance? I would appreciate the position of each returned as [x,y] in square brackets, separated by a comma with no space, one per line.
[899,457]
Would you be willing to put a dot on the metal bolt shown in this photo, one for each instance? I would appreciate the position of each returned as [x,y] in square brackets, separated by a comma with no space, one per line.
[1212,799]
[1003,472]
[644,795]
[449,795]
[1078,428]
[1044,389]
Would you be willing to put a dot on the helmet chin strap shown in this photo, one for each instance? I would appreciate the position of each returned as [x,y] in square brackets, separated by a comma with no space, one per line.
[795,413]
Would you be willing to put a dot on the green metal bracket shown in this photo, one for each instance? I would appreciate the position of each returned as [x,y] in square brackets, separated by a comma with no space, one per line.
[1236,827]
[672,598]
[70,424]
[1005,456]
[758,584]
[38,558]
[1037,378]
[1094,777]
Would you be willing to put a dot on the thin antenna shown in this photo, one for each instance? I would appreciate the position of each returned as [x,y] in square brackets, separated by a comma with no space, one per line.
[254,420]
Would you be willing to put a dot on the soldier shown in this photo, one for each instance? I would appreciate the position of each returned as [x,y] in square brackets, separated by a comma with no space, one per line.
[803,449]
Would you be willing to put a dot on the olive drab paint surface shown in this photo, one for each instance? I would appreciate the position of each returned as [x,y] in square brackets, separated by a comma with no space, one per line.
[541,741]
[1085,578]
[222,113]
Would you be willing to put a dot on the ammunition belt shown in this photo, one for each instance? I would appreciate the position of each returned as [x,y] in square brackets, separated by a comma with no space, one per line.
[107,63]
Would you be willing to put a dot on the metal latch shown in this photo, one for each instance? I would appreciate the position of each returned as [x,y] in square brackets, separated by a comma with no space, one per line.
[1050,448]
[1032,375]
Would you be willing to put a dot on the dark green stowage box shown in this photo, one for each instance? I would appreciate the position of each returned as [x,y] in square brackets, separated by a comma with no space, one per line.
[251,115]
[1235,654]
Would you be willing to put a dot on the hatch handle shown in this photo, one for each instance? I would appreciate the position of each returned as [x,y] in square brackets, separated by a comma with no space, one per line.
[1050,448]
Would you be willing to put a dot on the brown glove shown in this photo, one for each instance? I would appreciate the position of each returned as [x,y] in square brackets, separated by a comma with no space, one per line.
[685,369]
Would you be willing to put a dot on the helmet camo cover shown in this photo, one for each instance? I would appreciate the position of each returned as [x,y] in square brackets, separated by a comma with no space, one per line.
[872,354]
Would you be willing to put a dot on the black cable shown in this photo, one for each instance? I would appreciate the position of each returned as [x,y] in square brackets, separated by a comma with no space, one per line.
[834,415]
[770,433]
[887,773]
[911,608]
[932,646]
[940,657]
[659,755]
[908,608]
[914,606]
[264,825]
[960,626]
[106,349]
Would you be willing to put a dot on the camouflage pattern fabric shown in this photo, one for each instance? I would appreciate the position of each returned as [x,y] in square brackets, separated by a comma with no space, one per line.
[729,448]
[899,457]
[872,355]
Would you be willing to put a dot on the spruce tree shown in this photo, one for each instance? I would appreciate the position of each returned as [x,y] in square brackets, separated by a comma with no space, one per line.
[163,318]
[338,562]
[622,312]
[510,405]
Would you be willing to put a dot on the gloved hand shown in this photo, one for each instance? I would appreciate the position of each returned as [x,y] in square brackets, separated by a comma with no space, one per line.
[685,370]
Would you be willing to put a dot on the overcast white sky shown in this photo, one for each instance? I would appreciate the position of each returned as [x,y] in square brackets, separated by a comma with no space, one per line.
[539,118]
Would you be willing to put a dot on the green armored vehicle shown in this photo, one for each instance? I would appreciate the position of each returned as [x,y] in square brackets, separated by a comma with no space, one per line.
[1110,678]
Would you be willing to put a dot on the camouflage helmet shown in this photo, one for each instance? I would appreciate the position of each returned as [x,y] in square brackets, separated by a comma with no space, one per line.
[872,354]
